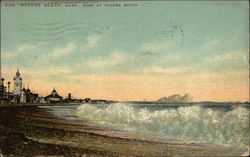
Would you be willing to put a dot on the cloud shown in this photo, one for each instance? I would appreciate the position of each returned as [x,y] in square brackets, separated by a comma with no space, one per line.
[153,48]
[110,77]
[112,60]
[210,44]
[91,41]
[233,56]
[62,51]
[162,70]
[54,70]
[37,73]
[20,50]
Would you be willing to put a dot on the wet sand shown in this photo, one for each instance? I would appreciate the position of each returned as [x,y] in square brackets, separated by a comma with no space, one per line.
[30,131]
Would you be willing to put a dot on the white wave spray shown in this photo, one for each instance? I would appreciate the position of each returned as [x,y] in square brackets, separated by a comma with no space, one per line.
[192,123]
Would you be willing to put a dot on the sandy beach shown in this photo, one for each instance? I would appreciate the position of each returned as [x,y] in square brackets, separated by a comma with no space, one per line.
[30,131]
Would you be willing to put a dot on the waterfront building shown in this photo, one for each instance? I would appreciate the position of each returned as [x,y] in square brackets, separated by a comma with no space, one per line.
[42,100]
[17,84]
[54,97]
[20,94]
[2,89]
[17,89]
[28,97]
[23,96]
[5,95]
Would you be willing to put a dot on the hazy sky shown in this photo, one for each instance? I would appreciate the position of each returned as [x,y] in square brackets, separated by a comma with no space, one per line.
[130,53]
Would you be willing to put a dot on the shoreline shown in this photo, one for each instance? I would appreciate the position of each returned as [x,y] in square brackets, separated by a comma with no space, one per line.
[34,104]
[30,130]
[167,104]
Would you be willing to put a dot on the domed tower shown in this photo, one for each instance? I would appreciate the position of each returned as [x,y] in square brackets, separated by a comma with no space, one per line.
[17,84]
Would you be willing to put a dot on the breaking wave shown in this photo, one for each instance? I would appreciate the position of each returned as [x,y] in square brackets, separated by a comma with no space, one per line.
[192,123]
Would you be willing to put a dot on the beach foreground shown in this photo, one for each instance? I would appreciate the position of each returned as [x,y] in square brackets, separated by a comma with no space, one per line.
[30,131]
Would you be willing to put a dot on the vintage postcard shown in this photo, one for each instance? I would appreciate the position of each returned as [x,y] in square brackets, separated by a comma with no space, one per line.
[124,78]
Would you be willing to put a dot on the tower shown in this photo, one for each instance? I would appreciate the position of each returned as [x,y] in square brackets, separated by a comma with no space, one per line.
[17,84]
[8,87]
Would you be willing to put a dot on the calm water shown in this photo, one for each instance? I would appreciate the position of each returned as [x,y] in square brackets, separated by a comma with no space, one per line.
[220,125]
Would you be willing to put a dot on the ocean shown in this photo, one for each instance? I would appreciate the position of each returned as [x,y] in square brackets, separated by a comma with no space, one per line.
[211,123]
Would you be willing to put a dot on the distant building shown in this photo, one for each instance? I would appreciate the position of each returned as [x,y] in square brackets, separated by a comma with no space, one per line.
[53,97]
[5,96]
[17,84]
[68,99]
[42,100]
[17,87]
[34,98]
[2,89]
[69,96]
[23,95]
[87,100]
[28,97]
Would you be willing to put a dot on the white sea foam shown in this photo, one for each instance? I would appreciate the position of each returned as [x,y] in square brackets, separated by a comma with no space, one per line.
[192,123]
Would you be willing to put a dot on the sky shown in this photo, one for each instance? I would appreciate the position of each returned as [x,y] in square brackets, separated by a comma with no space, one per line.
[153,50]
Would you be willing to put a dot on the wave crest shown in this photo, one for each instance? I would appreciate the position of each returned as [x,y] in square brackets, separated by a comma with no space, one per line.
[192,123]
